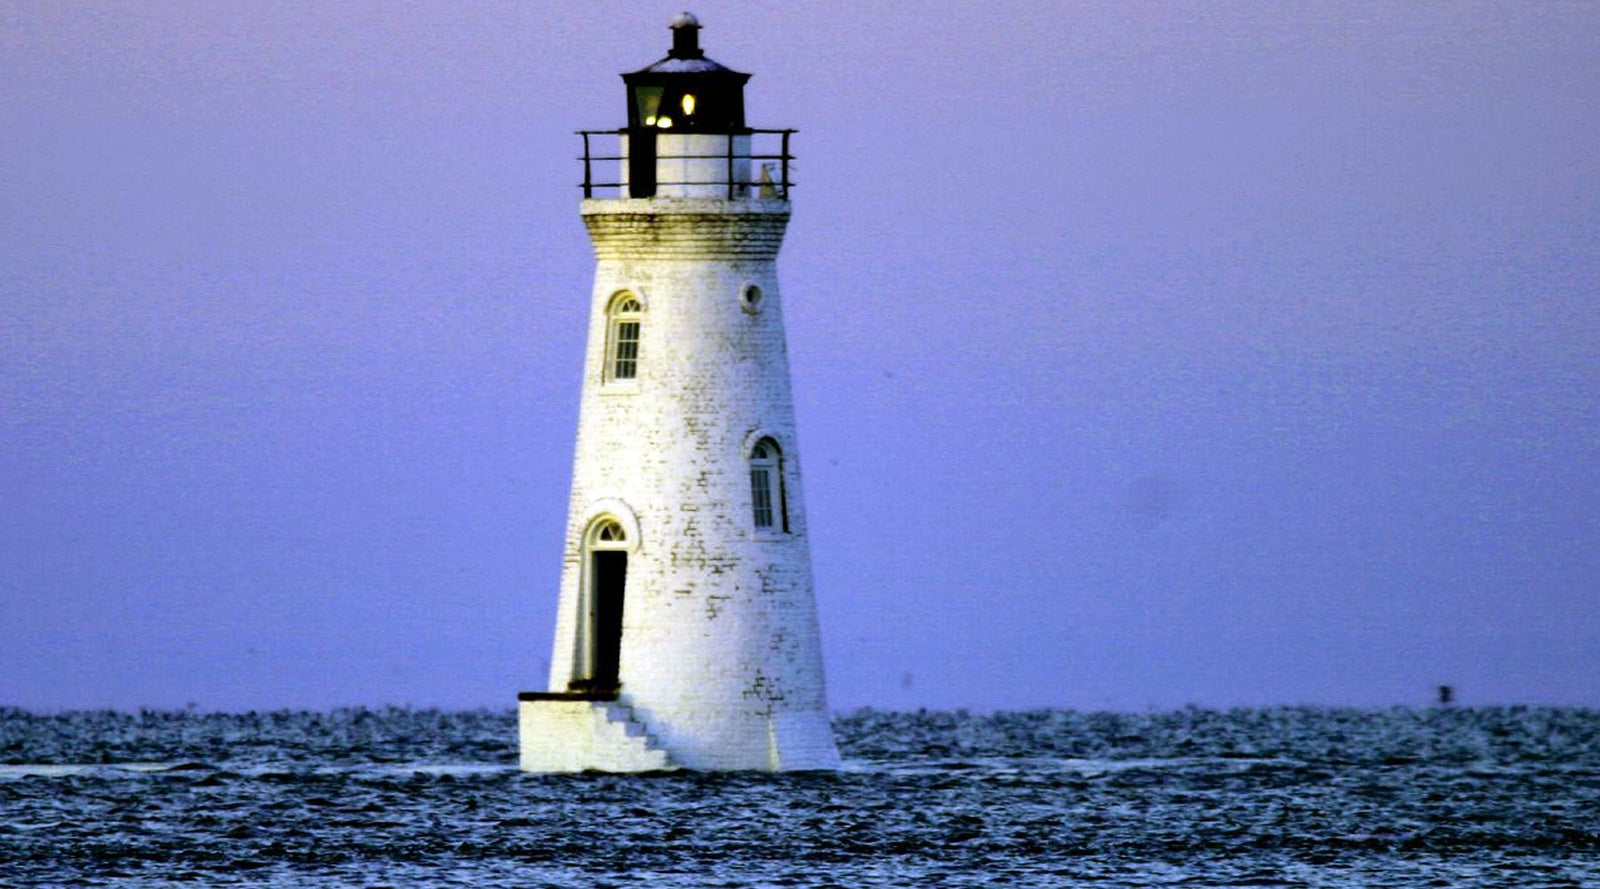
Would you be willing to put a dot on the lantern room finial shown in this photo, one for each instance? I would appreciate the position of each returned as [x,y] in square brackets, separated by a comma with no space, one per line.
[685,37]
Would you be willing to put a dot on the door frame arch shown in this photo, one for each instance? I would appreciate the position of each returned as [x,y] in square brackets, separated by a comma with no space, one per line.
[609,539]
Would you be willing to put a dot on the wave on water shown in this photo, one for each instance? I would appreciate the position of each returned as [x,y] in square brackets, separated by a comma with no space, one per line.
[1266,797]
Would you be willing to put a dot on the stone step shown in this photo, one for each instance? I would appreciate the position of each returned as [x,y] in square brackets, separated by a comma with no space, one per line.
[587,735]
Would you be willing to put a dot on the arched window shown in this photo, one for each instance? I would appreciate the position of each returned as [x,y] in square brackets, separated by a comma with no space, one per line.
[766,487]
[609,531]
[622,337]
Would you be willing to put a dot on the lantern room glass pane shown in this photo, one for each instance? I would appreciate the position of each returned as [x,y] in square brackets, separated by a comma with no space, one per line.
[647,103]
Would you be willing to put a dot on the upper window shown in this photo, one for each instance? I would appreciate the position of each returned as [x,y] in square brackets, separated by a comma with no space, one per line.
[622,337]
[766,487]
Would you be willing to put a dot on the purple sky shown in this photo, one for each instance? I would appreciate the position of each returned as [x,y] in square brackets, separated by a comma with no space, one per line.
[1145,354]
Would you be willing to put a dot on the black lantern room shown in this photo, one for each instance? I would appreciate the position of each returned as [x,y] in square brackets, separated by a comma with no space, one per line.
[686,92]
[683,93]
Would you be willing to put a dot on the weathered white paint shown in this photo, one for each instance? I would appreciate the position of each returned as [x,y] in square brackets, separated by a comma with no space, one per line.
[720,658]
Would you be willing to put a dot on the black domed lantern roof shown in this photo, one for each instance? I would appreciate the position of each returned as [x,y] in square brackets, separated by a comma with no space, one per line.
[686,92]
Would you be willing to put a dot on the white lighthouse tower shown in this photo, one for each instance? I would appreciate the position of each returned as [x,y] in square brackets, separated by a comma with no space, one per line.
[686,631]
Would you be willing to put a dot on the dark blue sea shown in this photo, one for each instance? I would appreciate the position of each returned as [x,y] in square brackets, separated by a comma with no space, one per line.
[1281,797]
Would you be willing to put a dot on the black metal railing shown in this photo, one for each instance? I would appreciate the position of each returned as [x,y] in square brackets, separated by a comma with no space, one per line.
[763,181]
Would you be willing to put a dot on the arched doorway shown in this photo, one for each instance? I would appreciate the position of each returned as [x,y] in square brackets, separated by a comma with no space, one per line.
[605,584]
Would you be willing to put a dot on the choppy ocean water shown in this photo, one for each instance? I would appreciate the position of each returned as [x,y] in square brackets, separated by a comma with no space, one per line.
[1279,797]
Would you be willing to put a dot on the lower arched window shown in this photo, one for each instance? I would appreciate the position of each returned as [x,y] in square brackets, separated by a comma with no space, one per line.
[766,487]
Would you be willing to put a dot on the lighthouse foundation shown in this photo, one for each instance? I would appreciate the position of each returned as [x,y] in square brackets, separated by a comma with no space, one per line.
[581,733]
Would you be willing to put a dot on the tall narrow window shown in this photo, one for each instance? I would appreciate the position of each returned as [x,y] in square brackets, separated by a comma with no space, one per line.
[622,347]
[766,487]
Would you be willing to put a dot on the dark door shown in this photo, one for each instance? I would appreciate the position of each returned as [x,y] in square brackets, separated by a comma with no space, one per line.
[642,162]
[610,578]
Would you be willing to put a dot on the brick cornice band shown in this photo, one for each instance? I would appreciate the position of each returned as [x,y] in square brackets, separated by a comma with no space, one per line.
[631,229]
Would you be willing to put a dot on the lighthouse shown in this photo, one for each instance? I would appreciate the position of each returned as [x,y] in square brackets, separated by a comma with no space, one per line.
[686,630]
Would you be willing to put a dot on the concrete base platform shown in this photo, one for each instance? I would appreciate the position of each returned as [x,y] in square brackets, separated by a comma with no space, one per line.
[583,733]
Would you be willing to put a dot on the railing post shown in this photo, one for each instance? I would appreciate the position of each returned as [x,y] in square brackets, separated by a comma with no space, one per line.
[588,187]
[786,163]
[730,167]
